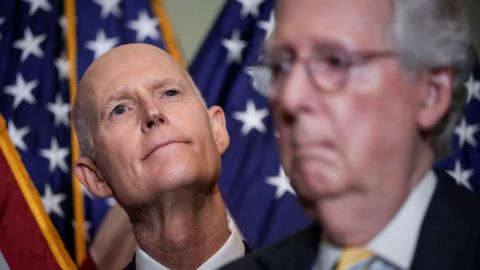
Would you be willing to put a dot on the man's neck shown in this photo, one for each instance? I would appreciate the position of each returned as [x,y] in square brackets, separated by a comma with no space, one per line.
[355,220]
[185,233]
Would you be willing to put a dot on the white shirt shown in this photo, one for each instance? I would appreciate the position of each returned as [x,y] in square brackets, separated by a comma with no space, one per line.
[231,250]
[397,241]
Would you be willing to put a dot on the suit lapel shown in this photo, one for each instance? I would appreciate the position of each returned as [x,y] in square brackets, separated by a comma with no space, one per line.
[247,247]
[445,237]
[297,252]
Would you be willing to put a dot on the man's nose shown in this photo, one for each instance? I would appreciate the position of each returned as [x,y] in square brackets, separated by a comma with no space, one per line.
[153,116]
[295,92]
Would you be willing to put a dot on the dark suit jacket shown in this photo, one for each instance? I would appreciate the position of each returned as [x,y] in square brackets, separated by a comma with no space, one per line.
[449,237]
[131,265]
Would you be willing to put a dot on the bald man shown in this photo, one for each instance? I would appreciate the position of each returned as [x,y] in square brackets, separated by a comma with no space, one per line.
[147,139]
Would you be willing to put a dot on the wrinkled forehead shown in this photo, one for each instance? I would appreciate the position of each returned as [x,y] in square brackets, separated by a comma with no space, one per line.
[126,61]
[359,24]
[130,66]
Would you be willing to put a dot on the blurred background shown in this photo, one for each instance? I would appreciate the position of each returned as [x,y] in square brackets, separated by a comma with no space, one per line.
[192,20]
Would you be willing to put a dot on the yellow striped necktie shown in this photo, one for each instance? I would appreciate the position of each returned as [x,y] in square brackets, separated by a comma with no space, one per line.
[353,258]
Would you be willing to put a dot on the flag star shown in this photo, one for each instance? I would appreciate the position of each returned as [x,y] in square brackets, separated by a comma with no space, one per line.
[250,7]
[38,4]
[267,25]
[86,226]
[111,201]
[109,6]
[473,88]
[461,176]
[17,134]
[30,44]
[2,20]
[281,183]
[21,91]
[466,133]
[145,26]
[251,118]
[63,67]
[60,111]
[260,78]
[62,21]
[235,47]
[51,201]
[56,156]
[86,192]
[101,44]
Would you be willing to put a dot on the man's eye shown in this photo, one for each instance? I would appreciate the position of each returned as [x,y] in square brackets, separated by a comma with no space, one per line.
[171,93]
[277,68]
[119,109]
[335,61]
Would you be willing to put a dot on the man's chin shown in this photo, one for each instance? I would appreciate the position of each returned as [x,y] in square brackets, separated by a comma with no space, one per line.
[182,176]
[316,186]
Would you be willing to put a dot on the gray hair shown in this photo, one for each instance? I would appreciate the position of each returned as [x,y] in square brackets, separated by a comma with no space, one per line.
[434,34]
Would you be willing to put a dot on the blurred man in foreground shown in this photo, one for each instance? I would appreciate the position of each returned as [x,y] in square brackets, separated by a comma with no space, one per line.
[362,95]
[147,138]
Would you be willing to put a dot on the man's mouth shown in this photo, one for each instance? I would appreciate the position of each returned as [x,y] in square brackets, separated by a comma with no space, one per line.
[162,145]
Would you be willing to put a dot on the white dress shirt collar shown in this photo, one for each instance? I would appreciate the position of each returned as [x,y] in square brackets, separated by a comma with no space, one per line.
[231,250]
[397,241]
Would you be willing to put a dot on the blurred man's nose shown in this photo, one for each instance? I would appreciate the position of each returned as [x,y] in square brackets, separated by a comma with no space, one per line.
[295,92]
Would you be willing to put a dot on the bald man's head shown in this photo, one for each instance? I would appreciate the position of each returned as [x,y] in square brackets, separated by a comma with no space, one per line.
[120,60]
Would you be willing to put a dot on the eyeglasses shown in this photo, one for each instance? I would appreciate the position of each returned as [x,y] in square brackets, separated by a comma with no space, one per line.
[328,68]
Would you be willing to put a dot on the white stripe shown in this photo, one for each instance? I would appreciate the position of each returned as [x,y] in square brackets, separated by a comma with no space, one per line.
[3,262]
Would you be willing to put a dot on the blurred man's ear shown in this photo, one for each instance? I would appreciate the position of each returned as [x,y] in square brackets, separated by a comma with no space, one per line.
[437,96]
[87,173]
[219,128]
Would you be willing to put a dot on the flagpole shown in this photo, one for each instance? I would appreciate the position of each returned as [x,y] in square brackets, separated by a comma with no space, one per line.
[78,206]
[168,34]
[33,200]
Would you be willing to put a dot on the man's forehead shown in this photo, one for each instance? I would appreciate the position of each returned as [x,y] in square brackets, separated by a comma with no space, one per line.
[126,67]
[381,9]
[128,62]
[131,56]
[313,5]
[149,83]
[344,21]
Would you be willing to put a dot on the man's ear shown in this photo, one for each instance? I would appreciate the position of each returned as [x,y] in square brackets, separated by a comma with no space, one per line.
[436,98]
[219,128]
[86,171]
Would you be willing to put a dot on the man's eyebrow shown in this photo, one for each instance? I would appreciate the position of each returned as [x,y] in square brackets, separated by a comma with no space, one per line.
[155,84]
[321,44]
[117,95]
[122,92]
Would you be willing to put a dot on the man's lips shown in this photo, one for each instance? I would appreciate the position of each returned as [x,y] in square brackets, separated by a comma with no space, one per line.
[161,145]
[314,150]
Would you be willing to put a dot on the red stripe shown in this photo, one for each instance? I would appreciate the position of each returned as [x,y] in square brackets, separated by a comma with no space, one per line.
[21,241]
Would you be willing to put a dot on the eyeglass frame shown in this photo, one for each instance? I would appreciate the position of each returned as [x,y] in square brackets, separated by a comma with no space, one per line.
[349,60]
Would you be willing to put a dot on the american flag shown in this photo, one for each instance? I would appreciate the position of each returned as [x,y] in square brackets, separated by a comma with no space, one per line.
[463,163]
[35,93]
[258,195]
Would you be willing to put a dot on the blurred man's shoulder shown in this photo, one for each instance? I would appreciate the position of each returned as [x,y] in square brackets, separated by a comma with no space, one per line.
[290,253]
[455,200]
